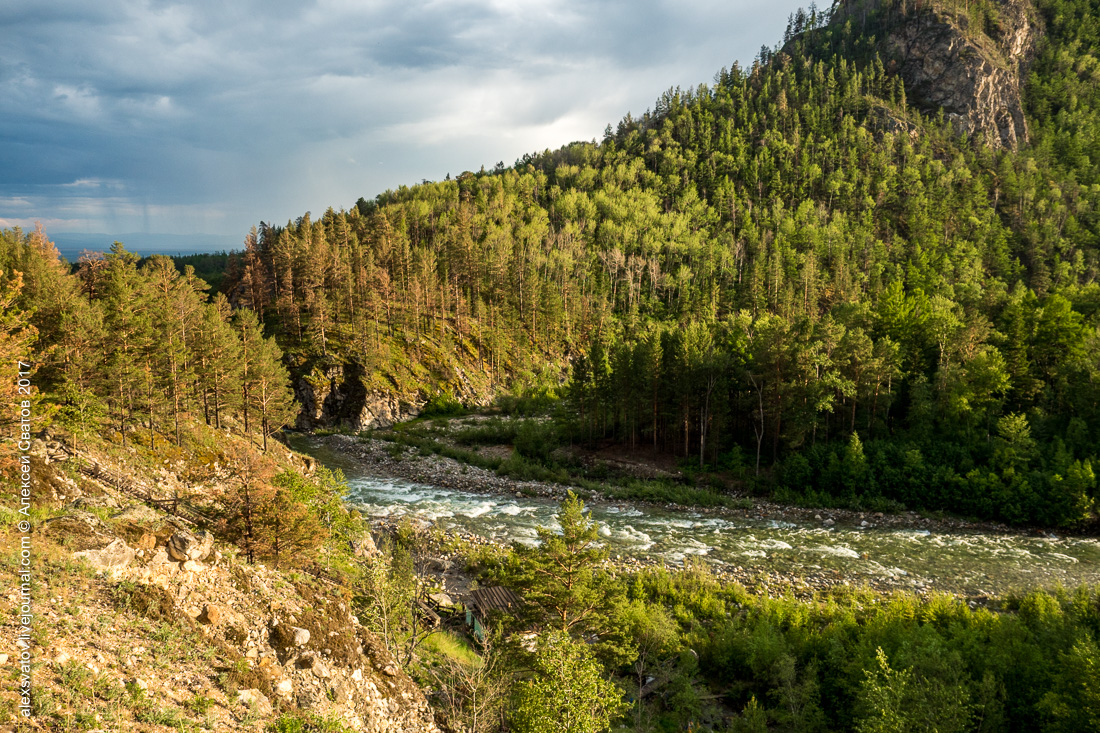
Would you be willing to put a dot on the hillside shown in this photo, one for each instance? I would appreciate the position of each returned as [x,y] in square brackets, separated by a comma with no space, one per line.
[147,622]
[865,266]
[861,272]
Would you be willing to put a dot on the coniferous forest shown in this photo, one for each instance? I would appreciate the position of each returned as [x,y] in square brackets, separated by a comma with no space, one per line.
[791,270]
[800,281]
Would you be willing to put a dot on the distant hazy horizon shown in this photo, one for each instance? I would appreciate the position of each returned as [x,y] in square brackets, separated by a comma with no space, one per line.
[71,244]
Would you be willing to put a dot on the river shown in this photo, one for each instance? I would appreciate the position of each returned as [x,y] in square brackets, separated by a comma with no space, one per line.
[969,563]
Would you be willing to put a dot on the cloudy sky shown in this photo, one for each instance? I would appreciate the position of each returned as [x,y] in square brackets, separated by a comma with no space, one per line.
[207,117]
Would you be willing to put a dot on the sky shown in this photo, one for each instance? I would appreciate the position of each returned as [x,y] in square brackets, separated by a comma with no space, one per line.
[205,118]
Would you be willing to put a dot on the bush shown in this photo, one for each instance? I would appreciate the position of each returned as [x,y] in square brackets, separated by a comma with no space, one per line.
[442,405]
[536,440]
[532,402]
[490,432]
[665,492]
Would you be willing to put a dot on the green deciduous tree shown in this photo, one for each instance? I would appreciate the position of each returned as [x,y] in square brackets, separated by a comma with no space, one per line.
[566,692]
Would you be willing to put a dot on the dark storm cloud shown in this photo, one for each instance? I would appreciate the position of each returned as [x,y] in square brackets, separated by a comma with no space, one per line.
[208,116]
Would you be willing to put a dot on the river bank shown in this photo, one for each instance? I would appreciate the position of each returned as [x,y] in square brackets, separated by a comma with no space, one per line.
[394,460]
[771,549]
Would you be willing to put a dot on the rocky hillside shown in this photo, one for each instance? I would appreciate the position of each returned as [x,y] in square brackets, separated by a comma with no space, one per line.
[147,623]
[969,64]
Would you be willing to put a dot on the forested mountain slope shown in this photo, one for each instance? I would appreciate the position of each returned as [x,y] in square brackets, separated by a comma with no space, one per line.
[841,263]
[131,349]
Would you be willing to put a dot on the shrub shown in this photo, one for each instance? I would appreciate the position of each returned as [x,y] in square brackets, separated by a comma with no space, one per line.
[536,440]
[442,405]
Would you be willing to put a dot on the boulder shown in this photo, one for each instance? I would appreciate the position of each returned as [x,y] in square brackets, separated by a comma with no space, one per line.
[212,614]
[184,546]
[160,568]
[442,600]
[115,556]
[255,699]
[439,564]
[301,636]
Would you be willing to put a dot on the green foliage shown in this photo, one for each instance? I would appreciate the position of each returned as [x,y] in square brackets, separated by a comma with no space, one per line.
[893,701]
[136,342]
[761,267]
[324,496]
[1074,704]
[560,576]
[536,440]
[849,660]
[201,704]
[305,723]
[567,692]
[442,405]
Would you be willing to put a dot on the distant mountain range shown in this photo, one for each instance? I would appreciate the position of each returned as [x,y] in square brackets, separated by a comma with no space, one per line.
[71,244]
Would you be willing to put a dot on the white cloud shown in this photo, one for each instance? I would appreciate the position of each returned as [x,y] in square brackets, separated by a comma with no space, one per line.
[184,116]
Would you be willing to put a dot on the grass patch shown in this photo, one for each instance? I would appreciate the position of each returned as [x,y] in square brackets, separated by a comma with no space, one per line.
[427,446]
[162,716]
[448,644]
[523,469]
[490,432]
[306,723]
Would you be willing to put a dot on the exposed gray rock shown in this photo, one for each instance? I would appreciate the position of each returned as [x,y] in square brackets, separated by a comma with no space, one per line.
[184,546]
[441,599]
[337,396]
[255,699]
[301,636]
[973,76]
[114,556]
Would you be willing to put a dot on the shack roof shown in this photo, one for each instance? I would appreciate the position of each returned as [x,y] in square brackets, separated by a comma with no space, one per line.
[486,600]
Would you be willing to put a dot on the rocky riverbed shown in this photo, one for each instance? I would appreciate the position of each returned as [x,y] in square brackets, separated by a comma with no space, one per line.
[386,459]
[771,548]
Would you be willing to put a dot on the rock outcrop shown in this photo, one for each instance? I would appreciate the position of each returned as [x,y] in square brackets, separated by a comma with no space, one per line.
[337,396]
[973,74]
[296,643]
[340,396]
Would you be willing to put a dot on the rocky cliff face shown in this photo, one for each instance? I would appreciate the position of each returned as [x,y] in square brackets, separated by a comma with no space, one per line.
[337,396]
[972,74]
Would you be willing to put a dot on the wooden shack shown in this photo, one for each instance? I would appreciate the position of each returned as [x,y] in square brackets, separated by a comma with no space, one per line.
[485,601]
